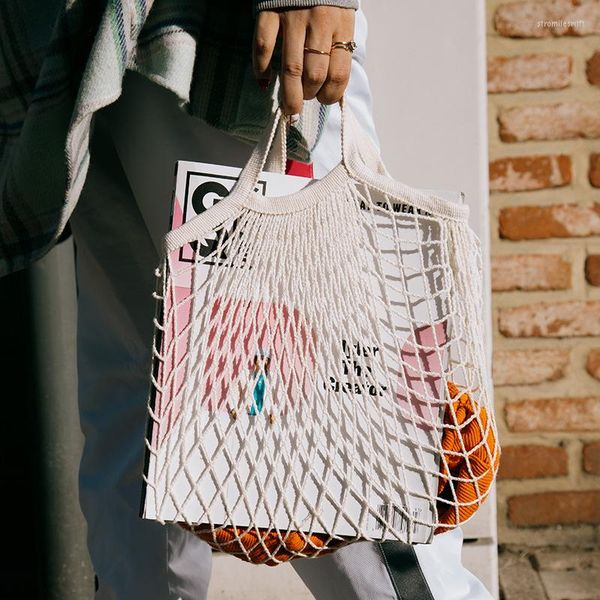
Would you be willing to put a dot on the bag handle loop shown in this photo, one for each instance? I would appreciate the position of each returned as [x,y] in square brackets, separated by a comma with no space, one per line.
[271,150]
[359,157]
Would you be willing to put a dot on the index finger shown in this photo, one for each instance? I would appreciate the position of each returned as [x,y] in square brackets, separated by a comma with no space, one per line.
[292,94]
[265,37]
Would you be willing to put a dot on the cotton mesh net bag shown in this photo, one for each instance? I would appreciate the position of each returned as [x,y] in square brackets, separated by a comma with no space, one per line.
[319,375]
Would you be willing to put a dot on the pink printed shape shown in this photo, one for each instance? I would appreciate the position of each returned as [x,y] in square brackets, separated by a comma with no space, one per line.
[422,368]
[239,330]
[173,347]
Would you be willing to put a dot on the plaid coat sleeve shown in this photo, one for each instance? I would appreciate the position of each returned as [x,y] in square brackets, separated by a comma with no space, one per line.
[63,60]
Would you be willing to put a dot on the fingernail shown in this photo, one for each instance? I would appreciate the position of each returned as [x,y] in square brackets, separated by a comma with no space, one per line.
[263,84]
[294,118]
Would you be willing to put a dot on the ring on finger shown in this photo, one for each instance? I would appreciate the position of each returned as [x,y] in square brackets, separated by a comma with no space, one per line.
[350,46]
[315,51]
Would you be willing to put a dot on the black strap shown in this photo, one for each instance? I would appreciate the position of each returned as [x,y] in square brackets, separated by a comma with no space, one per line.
[405,572]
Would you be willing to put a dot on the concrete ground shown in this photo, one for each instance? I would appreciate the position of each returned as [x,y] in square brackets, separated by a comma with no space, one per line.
[556,573]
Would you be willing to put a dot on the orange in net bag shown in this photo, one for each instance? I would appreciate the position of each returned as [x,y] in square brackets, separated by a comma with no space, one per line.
[261,546]
[458,464]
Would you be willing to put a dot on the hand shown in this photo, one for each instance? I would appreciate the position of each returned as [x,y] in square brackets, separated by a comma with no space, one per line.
[305,75]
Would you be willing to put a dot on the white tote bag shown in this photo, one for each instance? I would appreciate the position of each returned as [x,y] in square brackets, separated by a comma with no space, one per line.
[323,379]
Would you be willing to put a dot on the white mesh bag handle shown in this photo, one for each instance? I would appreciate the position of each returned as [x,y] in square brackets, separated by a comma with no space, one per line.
[358,154]
[319,375]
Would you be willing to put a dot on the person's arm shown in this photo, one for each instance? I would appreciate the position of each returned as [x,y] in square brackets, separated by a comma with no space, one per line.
[302,24]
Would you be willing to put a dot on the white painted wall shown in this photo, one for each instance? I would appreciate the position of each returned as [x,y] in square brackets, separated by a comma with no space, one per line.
[426,64]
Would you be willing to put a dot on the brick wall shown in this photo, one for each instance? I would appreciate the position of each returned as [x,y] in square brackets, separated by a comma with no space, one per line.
[544,130]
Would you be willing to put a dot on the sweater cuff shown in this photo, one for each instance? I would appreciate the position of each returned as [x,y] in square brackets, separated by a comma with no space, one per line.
[284,4]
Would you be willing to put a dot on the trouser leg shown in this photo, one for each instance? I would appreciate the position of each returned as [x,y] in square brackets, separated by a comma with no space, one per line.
[133,558]
[393,571]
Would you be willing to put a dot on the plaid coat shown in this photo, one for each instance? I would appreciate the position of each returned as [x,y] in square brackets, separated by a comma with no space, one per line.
[62,60]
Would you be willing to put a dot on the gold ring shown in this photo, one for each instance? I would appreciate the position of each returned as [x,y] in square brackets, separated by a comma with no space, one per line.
[315,51]
[349,46]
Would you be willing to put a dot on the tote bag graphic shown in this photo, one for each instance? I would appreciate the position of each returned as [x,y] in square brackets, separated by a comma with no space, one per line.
[312,384]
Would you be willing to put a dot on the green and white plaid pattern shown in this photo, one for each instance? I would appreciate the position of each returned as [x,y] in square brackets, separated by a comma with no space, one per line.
[62,60]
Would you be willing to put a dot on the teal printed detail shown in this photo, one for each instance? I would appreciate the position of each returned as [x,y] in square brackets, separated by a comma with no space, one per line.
[259,396]
[260,370]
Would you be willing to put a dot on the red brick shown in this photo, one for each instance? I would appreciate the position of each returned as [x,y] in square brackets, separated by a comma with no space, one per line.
[528,72]
[563,121]
[525,367]
[592,269]
[594,171]
[535,19]
[591,457]
[593,363]
[530,272]
[592,69]
[554,414]
[562,319]
[525,173]
[557,220]
[555,508]
[530,462]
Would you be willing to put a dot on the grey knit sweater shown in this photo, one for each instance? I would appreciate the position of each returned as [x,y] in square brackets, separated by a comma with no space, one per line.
[275,4]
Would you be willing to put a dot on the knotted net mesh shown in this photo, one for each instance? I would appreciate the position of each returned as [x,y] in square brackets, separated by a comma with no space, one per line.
[319,378]
[319,374]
